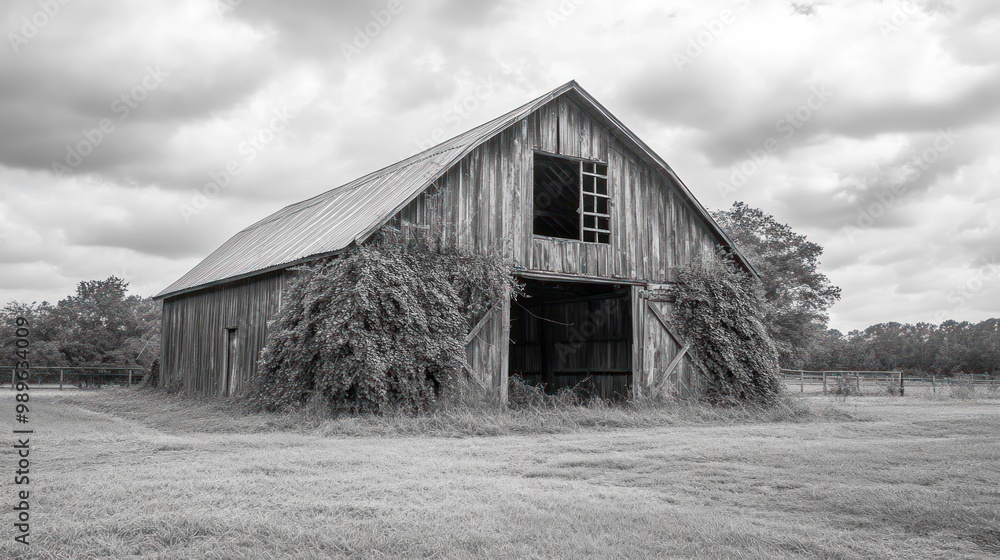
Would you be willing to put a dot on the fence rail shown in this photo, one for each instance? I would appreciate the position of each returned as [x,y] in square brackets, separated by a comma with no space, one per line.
[860,379]
[42,377]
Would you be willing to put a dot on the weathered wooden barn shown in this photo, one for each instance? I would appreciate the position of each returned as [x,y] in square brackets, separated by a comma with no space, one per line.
[595,221]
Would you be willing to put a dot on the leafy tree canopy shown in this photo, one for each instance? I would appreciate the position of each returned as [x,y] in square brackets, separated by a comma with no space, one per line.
[799,295]
[951,347]
[98,325]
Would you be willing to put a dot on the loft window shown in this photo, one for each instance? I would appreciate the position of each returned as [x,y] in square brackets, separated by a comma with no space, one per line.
[596,202]
[571,199]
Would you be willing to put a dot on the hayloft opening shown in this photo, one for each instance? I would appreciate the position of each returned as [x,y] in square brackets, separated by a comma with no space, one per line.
[575,335]
[571,199]
[556,197]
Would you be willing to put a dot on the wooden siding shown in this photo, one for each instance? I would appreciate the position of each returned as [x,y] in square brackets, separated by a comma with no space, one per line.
[657,350]
[486,351]
[485,202]
[194,333]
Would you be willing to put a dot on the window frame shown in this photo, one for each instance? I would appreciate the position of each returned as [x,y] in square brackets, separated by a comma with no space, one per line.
[583,172]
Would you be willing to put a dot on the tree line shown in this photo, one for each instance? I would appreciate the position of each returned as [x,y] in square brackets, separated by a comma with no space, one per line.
[99,325]
[949,348]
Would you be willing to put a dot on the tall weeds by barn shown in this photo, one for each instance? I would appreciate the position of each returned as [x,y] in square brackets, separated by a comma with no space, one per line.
[719,309]
[378,328]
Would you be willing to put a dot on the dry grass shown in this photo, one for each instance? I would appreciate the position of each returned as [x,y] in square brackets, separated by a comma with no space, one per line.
[468,415]
[120,474]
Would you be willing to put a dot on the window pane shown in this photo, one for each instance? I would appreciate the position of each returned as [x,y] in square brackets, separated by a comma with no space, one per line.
[602,185]
[589,183]
[588,203]
[604,238]
[588,167]
[602,205]
[604,223]
[602,169]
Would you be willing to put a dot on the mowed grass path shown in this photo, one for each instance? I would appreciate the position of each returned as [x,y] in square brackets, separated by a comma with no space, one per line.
[914,478]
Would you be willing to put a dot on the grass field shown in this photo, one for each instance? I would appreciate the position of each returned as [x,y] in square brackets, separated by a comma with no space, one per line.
[127,474]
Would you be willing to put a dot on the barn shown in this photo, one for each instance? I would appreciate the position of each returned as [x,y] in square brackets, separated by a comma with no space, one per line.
[596,223]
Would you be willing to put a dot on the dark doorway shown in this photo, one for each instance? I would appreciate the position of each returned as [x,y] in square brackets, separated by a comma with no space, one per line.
[229,370]
[573,334]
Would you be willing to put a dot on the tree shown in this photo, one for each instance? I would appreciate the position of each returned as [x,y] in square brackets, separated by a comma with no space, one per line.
[45,344]
[951,347]
[799,296]
[99,325]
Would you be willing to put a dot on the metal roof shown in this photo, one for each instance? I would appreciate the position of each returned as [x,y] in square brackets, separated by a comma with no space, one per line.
[332,221]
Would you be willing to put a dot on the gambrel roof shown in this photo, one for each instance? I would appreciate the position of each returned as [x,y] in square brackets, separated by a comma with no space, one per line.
[332,221]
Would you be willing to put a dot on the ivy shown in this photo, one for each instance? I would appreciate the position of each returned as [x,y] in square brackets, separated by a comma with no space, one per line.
[719,308]
[380,328]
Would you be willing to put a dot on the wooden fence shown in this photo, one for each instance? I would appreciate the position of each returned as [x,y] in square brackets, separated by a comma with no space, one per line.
[881,379]
[80,377]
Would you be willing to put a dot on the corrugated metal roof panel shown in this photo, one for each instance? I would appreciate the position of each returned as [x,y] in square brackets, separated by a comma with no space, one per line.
[333,220]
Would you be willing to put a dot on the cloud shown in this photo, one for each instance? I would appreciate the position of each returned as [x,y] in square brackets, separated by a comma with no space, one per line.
[706,84]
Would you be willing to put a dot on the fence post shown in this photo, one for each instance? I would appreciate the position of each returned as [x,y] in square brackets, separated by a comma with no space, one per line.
[902,389]
[129,378]
[824,382]
[60,378]
[933,384]
[802,386]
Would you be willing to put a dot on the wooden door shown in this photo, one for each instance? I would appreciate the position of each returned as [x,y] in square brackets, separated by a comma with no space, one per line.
[229,371]
[487,349]
[664,362]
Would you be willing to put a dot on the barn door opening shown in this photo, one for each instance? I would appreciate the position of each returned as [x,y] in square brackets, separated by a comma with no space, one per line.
[665,363]
[229,368]
[573,335]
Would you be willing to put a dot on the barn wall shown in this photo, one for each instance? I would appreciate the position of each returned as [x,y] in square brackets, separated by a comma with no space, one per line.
[194,333]
[485,203]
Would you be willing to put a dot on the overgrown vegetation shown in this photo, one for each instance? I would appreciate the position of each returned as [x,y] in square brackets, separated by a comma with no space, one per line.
[719,309]
[467,412]
[100,325]
[798,294]
[378,329]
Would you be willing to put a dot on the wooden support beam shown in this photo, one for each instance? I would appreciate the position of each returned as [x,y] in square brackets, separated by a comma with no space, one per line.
[504,345]
[674,363]
[475,377]
[673,334]
[666,325]
[479,326]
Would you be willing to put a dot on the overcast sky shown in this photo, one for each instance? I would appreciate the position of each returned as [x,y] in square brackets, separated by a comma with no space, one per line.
[136,137]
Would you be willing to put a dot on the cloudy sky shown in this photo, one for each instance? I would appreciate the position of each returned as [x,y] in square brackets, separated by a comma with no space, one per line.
[136,137]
